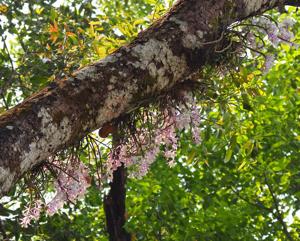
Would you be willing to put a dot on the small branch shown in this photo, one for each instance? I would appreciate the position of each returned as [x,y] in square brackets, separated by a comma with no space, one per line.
[255,50]
[278,212]
[250,25]
[295,3]
[13,70]
[256,204]
[4,100]
[8,54]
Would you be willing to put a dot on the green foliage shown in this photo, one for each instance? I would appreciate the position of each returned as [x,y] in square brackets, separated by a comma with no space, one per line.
[241,183]
[243,180]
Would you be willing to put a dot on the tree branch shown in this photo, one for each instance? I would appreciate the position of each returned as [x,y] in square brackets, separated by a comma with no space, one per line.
[163,55]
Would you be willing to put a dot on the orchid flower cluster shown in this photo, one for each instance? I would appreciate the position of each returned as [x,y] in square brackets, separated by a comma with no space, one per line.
[275,33]
[31,212]
[71,184]
[137,153]
[141,150]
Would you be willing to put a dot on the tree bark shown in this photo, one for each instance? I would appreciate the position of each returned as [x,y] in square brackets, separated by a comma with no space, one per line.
[165,54]
[114,207]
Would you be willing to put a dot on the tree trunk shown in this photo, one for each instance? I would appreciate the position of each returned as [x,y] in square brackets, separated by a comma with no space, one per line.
[165,54]
[114,207]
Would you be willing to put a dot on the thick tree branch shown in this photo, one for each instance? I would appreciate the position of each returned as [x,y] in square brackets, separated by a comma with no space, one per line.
[163,55]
